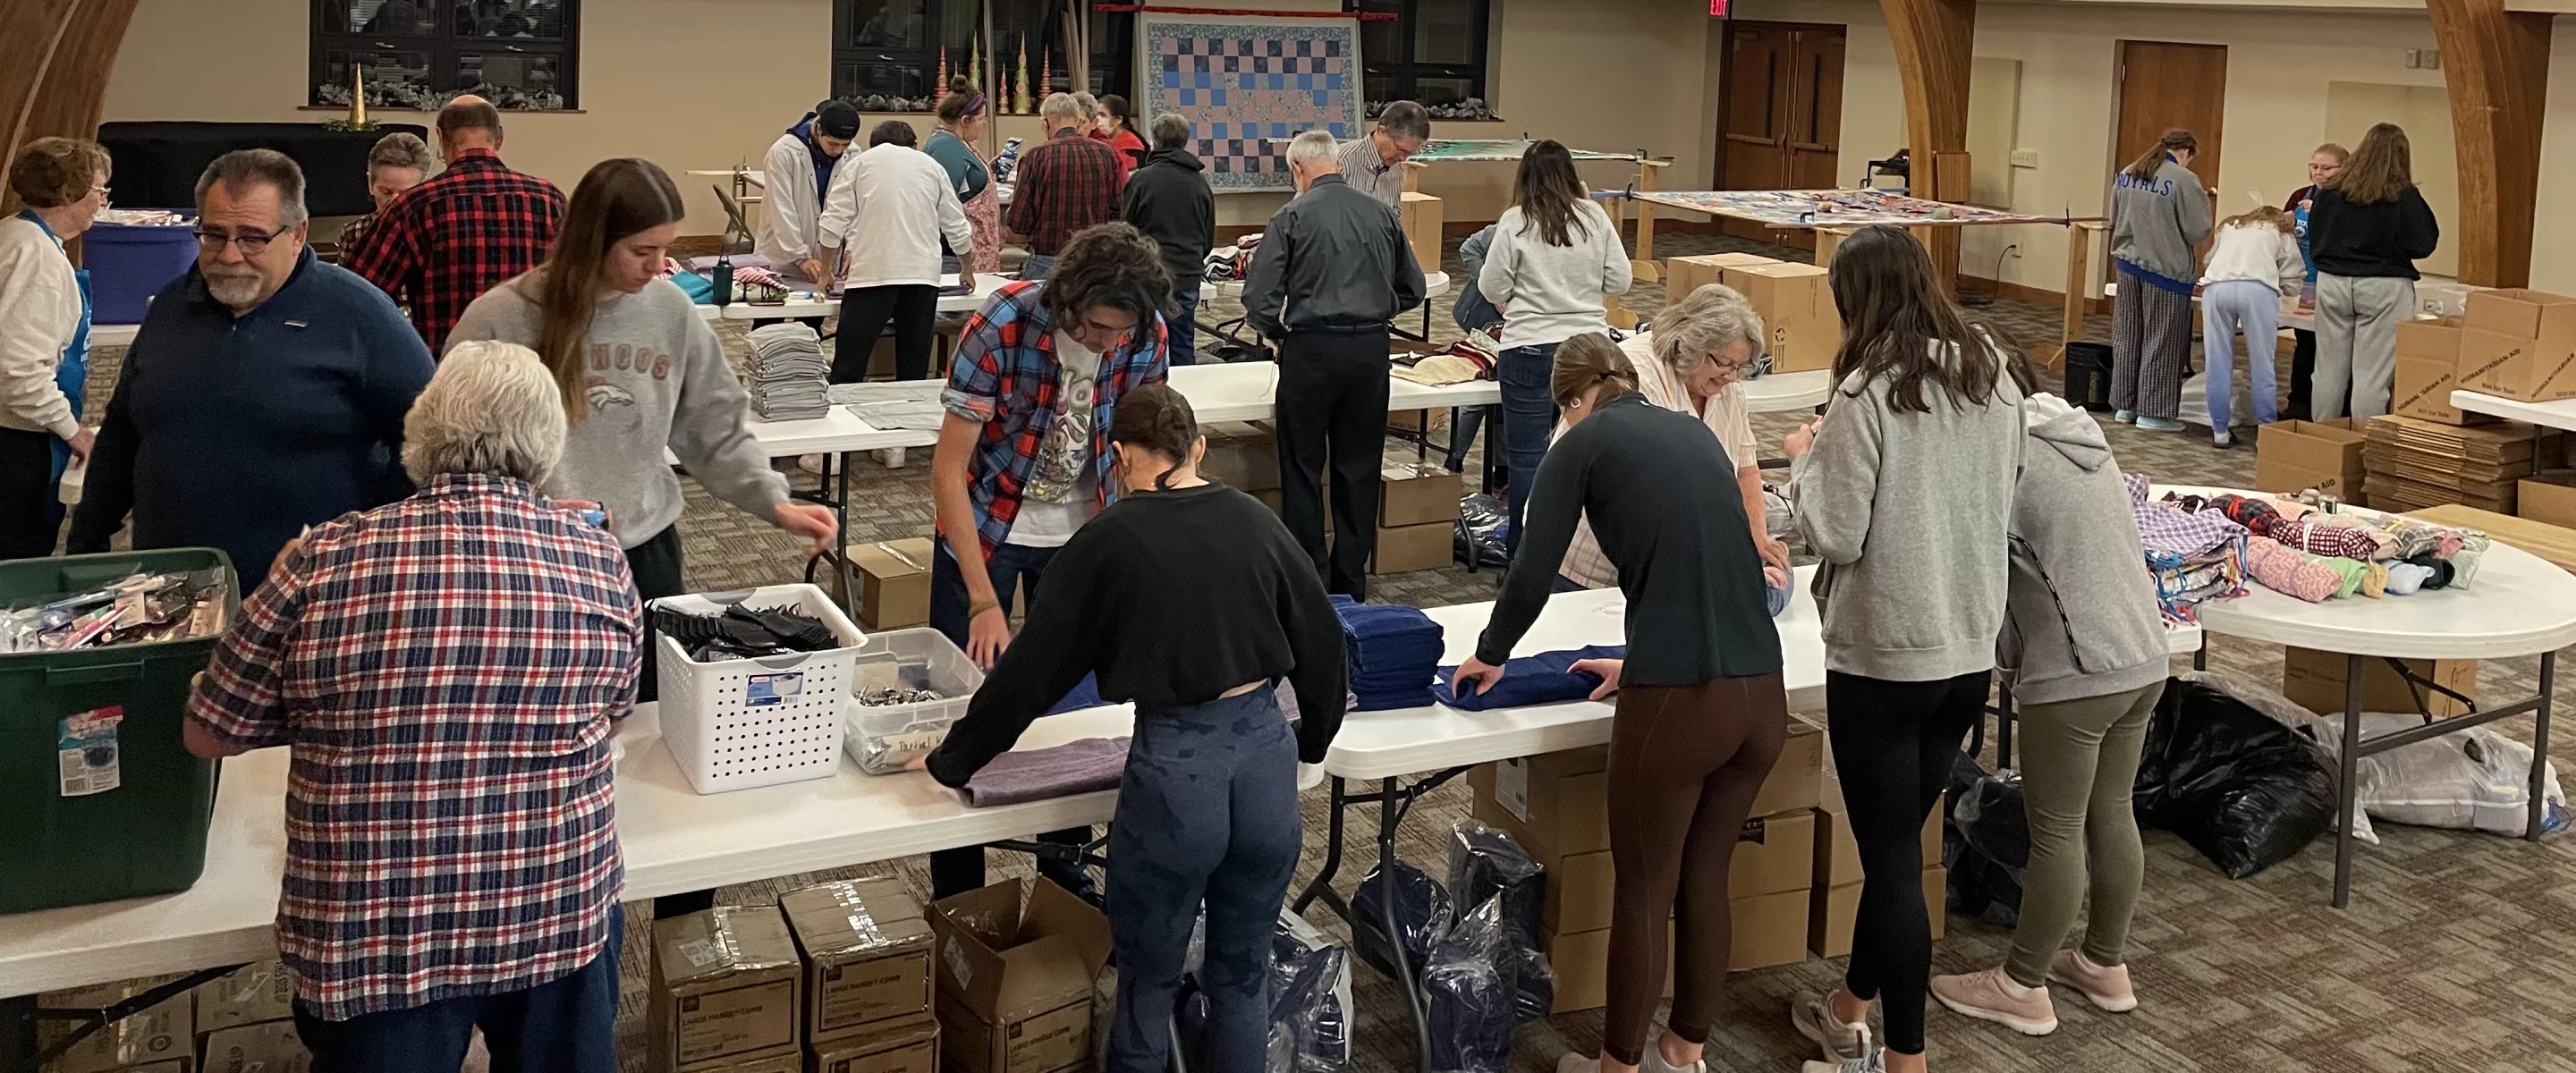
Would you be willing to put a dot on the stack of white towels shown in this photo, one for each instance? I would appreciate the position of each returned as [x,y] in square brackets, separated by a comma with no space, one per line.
[787,373]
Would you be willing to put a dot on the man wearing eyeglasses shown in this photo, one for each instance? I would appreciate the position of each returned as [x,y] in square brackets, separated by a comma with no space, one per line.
[264,392]
[1374,165]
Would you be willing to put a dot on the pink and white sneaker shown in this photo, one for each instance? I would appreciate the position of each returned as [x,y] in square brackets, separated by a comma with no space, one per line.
[1992,996]
[2105,986]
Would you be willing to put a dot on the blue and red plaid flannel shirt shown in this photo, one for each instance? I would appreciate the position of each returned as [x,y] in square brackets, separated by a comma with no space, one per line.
[1006,378]
[447,670]
[443,243]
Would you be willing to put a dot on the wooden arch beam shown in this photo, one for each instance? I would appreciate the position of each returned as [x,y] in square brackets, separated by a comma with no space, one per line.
[54,84]
[1935,42]
[2496,63]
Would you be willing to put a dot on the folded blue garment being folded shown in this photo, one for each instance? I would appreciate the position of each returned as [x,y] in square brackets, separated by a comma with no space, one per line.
[1546,678]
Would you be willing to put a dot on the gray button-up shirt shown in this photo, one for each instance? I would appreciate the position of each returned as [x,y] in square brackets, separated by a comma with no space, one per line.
[1370,175]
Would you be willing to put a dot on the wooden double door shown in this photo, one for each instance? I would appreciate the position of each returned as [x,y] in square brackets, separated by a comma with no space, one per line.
[1783,115]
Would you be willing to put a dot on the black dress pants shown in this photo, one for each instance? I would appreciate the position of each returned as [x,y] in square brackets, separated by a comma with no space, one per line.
[1332,408]
[27,523]
[913,309]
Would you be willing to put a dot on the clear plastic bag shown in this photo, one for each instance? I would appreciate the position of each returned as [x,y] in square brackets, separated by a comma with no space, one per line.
[1471,985]
[1482,518]
[1424,917]
[2472,779]
[1485,864]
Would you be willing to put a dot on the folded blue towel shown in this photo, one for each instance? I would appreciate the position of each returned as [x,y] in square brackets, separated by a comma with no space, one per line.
[1086,694]
[1546,678]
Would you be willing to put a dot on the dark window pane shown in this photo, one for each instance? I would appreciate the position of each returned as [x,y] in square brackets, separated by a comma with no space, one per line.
[1438,91]
[527,20]
[404,17]
[884,84]
[394,79]
[892,24]
[1379,90]
[512,80]
[1382,40]
[1444,32]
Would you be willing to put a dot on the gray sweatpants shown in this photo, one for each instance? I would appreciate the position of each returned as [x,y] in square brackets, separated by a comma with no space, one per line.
[2357,342]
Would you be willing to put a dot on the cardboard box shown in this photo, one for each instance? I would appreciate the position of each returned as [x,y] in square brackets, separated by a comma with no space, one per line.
[166,1032]
[1767,930]
[894,582]
[1241,455]
[2548,498]
[2428,370]
[2293,456]
[1772,856]
[1421,216]
[1830,917]
[1015,977]
[778,1060]
[1557,803]
[867,950]
[907,1046]
[1403,549]
[1418,495]
[2315,680]
[266,1047]
[1798,309]
[1683,275]
[725,988]
[259,991]
[2520,344]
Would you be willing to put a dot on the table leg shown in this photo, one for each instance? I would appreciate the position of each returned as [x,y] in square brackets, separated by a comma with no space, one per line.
[2540,745]
[841,537]
[2346,790]
[2200,655]
[1322,887]
[1390,801]
[18,1034]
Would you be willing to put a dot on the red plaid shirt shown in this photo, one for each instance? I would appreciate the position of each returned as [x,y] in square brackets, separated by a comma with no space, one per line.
[447,670]
[1068,183]
[443,243]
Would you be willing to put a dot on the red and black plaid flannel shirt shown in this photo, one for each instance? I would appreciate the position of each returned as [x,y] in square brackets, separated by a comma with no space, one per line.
[1066,184]
[443,243]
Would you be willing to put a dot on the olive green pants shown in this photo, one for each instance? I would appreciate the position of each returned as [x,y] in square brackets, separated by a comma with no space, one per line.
[2078,759]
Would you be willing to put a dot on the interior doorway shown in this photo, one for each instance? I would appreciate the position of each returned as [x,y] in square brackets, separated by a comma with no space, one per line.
[2162,85]
[1783,115]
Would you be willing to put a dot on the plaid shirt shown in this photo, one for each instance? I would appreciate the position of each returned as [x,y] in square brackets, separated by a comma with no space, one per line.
[1006,379]
[443,243]
[1067,183]
[447,670]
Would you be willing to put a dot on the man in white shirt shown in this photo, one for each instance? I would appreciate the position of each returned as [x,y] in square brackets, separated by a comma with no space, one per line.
[884,217]
[798,170]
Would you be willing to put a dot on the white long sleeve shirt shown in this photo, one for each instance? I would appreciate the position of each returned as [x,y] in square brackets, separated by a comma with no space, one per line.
[1549,294]
[889,207]
[791,229]
[40,310]
[2256,253]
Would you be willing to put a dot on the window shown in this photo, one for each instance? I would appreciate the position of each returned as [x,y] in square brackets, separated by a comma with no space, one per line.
[418,54]
[1432,51]
[887,54]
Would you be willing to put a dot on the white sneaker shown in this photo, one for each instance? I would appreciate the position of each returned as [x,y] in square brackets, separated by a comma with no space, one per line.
[892,457]
[810,463]
[1875,1063]
[2106,987]
[1842,1042]
[1653,1061]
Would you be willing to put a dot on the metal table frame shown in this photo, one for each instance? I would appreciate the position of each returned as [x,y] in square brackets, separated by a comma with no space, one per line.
[1394,800]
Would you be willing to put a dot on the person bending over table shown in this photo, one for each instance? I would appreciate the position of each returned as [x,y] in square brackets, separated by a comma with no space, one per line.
[1327,281]
[799,170]
[1701,711]
[2083,650]
[1374,165]
[398,162]
[1024,457]
[889,213]
[452,859]
[1190,599]
[44,327]
[1905,489]
[443,243]
[1064,184]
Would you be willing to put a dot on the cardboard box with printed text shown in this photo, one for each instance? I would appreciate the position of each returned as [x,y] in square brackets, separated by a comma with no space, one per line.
[726,984]
[1016,967]
[867,948]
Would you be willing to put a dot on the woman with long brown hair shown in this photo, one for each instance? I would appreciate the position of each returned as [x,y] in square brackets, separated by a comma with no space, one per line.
[1555,253]
[2367,226]
[2159,214]
[1905,490]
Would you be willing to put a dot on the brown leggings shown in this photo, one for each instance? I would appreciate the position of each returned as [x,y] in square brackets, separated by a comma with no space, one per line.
[1685,762]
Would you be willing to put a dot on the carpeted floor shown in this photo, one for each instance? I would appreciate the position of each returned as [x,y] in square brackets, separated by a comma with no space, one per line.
[2458,952]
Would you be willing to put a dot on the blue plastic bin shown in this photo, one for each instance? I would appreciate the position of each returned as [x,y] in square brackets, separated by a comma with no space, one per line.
[128,265]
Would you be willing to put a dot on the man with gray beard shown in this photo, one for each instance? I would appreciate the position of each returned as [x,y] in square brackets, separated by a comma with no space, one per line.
[264,392]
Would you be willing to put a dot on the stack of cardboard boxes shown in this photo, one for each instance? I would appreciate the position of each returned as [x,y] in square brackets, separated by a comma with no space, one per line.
[1417,510]
[1557,807]
[1796,305]
[726,993]
[2414,463]
[1834,901]
[242,1022]
[867,1000]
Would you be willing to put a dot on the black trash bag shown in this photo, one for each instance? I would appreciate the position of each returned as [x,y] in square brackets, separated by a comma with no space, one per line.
[1485,864]
[1472,987]
[2246,790]
[1425,917]
[1994,834]
[1481,521]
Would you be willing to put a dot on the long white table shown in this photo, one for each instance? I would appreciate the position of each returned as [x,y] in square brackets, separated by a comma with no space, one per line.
[1784,392]
[807,304]
[2560,414]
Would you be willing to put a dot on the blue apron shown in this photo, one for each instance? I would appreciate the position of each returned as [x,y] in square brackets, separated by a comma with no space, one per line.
[73,375]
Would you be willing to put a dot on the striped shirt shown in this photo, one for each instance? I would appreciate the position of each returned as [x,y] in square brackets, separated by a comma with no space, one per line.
[447,670]
[1370,174]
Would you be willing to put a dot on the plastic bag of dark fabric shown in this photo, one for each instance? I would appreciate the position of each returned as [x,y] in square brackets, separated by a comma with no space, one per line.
[1424,917]
[1471,985]
[1310,998]
[1994,831]
[1485,864]
[1481,521]
[2244,788]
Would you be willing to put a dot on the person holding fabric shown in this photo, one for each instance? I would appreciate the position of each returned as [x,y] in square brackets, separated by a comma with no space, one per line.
[1189,599]
[2367,227]
[1169,200]
[2322,165]
[2083,650]
[963,115]
[1118,128]
[44,326]
[2254,262]
[1331,273]
[885,222]
[1702,712]
[442,244]
[264,392]
[1555,254]
[398,162]
[1063,185]
[1024,458]
[1905,489]
[799,170]
[452,859]
[1374,165]
[2159,214]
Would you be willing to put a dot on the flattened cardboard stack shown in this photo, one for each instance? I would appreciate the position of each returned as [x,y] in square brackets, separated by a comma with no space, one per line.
[245,1022]
[2414,463]
[162,1035]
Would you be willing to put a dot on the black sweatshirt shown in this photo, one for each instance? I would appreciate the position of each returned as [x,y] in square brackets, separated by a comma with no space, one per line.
[1664,505]
[1169,200]
[2381,239]
[1173,598]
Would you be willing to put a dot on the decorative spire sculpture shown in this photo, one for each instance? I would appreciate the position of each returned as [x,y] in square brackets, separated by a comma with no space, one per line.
[940,89]
[1046,71]
[1020,101]
[358,96]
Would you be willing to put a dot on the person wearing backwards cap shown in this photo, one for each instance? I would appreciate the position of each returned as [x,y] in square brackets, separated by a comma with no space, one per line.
[800,167]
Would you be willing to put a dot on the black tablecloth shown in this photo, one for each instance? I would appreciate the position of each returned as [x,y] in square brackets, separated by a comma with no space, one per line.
[157,163]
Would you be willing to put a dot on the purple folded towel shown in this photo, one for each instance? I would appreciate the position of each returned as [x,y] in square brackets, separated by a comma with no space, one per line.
[1075,767]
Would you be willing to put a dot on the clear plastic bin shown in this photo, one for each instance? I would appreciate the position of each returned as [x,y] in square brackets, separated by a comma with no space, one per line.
[739,723]
[883,738]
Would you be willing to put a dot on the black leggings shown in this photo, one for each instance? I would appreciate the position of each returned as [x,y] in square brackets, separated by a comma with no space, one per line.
[865,311]
[1893,745]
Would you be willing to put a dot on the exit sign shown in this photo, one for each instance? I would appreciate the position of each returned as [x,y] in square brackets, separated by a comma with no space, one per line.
[1717,8]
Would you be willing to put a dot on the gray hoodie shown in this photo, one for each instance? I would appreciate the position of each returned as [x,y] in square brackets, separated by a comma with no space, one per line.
[2083,619]
[1911,513]
[2157,222]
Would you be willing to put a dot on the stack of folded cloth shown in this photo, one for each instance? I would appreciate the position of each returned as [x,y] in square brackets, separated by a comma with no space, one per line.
[786,373]
[1546,678]
[1395,652]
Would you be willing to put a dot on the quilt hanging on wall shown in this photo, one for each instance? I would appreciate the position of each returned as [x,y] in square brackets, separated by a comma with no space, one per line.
[1248,85]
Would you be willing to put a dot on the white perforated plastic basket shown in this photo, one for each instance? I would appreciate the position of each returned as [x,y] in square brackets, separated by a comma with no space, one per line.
[739,723]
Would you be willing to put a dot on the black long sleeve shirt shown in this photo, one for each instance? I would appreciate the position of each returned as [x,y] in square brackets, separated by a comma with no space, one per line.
[1660,492]
[1333,260]
[1173,598]
[2380,239]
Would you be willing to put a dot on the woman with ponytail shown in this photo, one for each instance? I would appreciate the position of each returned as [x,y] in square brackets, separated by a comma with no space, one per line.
[1190,599]
[2159,214]
[963,117]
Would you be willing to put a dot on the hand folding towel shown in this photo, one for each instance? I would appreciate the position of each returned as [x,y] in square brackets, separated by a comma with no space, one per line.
[1075,767]
[1546,678]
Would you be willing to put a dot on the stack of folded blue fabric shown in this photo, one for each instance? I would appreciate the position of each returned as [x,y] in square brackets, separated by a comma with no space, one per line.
[1546,678]
[1394,653]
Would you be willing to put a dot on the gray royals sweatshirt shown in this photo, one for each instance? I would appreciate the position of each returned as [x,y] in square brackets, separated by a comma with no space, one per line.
[657,378]
[1912,514]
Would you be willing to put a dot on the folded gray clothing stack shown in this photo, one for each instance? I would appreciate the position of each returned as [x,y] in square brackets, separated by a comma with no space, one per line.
[786,373]
[1085,766]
